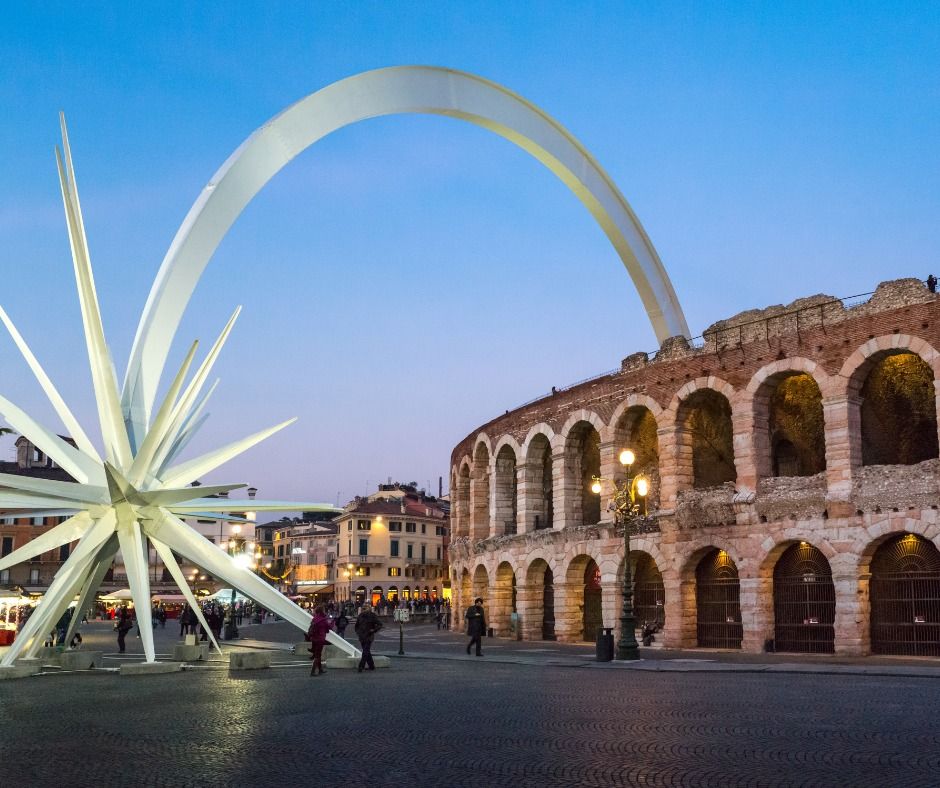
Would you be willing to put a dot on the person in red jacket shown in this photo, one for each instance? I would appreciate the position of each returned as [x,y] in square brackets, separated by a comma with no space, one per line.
[319,628]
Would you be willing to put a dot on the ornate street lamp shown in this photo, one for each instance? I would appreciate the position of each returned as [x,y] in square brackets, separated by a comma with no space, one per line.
[628,501]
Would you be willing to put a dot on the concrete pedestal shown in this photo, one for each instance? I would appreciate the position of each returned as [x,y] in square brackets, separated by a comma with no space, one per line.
[303,650]
[184,652]
[352,663]
[150,668]
[19,670]
[80,660]
[249,660]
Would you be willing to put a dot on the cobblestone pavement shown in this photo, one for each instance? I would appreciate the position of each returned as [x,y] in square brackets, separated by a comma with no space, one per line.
[471,722]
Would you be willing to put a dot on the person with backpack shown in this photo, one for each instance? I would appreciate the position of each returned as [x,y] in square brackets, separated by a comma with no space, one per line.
[367,624]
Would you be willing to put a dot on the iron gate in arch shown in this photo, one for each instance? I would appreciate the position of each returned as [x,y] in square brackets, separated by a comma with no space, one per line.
[649,594]
[905,598]
[804,601]
[718,602]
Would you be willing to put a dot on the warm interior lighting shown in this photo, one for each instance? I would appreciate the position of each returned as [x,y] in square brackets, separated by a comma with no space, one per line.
[596,487]
[642,486]
[627,457]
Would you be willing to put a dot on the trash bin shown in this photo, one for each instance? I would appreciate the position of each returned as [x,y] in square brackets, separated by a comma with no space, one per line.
[605,644]
[489,632]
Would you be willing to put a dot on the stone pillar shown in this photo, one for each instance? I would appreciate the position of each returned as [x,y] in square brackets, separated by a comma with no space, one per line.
[612,604]
[843,419]
[561,492]
[528,497]
[529,607]
[745,461]
[675,463]
[756,613]
[569,612]
[613,472]
[462,506]
[479,503]
[679,631]
[853,609]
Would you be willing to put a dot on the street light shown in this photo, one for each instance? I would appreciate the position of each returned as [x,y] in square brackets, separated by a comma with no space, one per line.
[629,498]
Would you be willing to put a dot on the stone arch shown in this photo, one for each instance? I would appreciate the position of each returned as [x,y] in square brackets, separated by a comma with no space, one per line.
[584,415]
[505,493]
[904,594]
[503,603]
[480,491]
[537,491]
[788,428]
[481,583]
[537,604]
[649,589]
[856,372]
[581,611]
[636,427]
[717,600]
[803,597]
[582,462]
[704,435]
[462,497]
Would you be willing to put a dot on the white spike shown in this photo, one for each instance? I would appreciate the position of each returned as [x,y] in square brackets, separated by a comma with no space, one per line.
[133,545]
[98,570]
[157,432]
[72,491]
[192,470]
[183,540]
[62,410]
[64,533]
[169,561]
[76,464]
[99,356]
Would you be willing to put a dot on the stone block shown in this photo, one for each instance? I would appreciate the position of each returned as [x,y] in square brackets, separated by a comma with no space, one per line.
[352,663]
[249,660]
[19,671]
[197,652]
[80,660]
[303,650]
[150,668]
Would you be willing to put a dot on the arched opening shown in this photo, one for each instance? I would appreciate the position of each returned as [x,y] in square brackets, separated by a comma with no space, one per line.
[377,595]
[480,493]
[582,464]
[360,595]
[392,594]
[718,602]
[481,584]
[705,425]
[539,486]
[593,615]
[905,597]
[504,601]
[637,430]
[899,411]
[649,592]
[406,593]
[463,500]
[804,601]
[505,493]
[795,424]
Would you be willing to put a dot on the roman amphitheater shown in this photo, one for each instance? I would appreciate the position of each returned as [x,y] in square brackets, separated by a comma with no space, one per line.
[793,455]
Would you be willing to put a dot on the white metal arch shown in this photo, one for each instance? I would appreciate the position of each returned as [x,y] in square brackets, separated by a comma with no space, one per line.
[386,91]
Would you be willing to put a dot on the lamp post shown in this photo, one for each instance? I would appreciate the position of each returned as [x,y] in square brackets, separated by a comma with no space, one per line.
[629,498]
[243,553]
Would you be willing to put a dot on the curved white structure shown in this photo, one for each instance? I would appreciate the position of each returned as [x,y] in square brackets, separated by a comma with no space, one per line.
[387,91]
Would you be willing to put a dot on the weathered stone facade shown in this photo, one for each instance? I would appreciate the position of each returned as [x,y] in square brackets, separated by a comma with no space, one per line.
[521,541]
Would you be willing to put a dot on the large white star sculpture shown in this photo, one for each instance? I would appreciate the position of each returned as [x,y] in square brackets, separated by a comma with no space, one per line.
[136,494]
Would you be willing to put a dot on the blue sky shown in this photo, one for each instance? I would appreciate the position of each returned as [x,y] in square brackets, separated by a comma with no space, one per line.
[408,278]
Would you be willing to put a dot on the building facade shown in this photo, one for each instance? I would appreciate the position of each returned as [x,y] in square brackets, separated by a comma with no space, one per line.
[391,547]
[795,484]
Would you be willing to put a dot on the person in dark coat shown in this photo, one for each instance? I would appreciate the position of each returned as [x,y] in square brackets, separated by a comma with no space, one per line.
[319,628]
[341,623]
[476,625]
[124,625]
[367,624]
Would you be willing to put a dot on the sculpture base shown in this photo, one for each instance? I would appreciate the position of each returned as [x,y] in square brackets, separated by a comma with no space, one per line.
[249,660]
[191,653]
[150,668]
[79,660]
[18,671]
[352,663]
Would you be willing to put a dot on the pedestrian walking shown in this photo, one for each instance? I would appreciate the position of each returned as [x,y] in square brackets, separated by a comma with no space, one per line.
[317,633]
[367,624]
[123,626]
[476,625]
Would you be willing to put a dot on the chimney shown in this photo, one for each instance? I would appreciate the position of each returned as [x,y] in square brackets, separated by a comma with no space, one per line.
[440,486]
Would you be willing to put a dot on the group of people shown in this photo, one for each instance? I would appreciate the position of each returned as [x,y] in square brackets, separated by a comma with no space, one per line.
[367,625]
